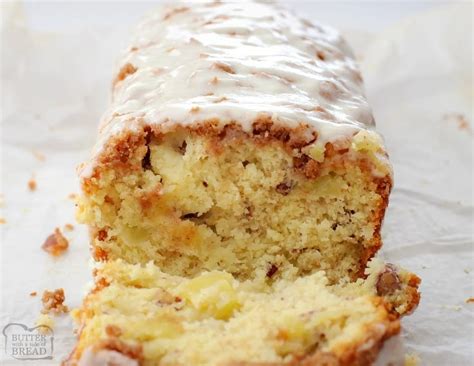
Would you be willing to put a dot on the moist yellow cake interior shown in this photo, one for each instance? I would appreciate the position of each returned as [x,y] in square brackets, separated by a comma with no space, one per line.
[214,319]
[196,204]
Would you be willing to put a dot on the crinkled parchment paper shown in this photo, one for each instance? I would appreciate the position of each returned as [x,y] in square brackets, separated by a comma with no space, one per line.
[419,81]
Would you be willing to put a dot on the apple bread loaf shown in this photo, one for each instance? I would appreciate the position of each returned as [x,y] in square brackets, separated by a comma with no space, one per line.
[238,139]
[235,199]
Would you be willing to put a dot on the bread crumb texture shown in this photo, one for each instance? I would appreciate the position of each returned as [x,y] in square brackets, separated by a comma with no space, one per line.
[251,206]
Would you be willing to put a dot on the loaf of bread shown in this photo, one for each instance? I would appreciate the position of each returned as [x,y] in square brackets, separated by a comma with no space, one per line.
[139,315]
[238,138]
[235,199]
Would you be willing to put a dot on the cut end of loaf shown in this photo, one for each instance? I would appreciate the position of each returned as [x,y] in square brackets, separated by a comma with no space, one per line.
[153,318]
[272,203]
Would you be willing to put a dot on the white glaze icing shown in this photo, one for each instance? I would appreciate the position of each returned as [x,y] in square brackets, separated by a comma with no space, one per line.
[236,61]
[105,358]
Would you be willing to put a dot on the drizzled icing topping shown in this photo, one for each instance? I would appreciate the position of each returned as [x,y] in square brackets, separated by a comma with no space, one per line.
[234,62]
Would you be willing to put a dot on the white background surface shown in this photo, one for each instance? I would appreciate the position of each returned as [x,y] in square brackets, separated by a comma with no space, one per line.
[361,15]
[416,58]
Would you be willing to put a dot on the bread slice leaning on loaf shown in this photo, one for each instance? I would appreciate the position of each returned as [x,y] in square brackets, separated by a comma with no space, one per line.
[236,195]
[139,315]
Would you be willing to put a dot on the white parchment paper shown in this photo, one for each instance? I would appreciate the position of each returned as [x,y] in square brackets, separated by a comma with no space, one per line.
[54,88]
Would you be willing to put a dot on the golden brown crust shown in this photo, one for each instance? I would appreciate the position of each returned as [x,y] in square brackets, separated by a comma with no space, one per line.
[126,151]
[384,187]
[363,353]
[264,129]
[120,151]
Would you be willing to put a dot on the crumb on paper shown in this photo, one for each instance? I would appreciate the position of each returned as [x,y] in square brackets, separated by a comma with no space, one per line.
[38,155]
[467,270]
[55,244]
[53,301]
[470,300]
[412,360]
[45,324]
[32,184]
[2,221]
[69,227]
[459,119]
[72,196]
[33,293]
